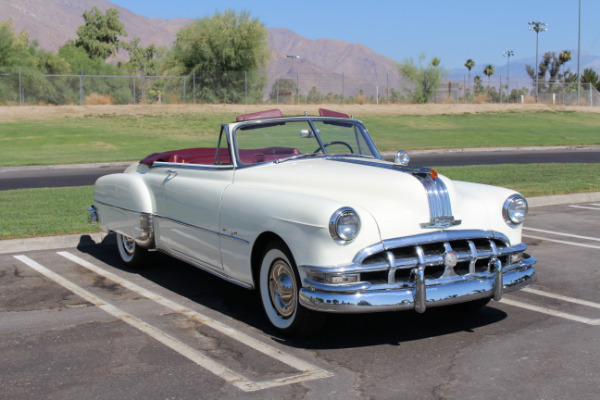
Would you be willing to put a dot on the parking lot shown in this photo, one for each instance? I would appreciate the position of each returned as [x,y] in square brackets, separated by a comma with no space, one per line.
[74,323]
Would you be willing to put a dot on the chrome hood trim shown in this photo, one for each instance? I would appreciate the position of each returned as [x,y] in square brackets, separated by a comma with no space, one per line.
[440,206]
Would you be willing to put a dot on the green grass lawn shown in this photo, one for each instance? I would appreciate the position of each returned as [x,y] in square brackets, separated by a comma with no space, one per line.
[507,129]
[123,137]
[116,137]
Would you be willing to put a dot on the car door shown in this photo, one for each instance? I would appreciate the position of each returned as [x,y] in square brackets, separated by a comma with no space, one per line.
[188,211]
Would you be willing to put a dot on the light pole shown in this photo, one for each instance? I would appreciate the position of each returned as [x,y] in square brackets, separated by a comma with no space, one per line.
[538,27]
[508,54]
[579,52]
[293,57]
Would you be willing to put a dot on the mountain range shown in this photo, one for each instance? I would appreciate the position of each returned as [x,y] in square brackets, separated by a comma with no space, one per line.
[53,22]
[320,62]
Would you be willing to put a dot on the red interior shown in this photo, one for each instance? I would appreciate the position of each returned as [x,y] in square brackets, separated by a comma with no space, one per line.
[206,155]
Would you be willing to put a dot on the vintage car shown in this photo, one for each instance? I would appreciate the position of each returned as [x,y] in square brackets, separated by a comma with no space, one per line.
[306,210]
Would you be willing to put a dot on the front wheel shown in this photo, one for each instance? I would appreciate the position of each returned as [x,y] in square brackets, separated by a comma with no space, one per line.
[131,253]
[279,293]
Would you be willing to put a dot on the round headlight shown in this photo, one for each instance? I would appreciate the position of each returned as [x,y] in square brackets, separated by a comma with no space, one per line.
[344,224]
[515,210]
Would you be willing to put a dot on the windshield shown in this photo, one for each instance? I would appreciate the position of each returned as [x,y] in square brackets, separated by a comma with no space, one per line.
[273,141]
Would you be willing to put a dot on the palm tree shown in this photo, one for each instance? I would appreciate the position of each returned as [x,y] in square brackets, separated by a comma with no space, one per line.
[469,64]
[564,57]
[489,71]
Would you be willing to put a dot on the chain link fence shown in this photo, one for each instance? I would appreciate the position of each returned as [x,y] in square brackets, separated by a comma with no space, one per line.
[29,87]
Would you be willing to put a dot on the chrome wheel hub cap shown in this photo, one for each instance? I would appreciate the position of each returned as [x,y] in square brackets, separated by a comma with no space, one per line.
[282,288]
[128,244]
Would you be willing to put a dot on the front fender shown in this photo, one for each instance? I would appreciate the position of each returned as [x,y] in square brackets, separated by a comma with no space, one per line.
[300,220]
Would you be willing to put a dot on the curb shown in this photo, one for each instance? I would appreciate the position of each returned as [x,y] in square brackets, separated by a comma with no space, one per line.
[557,200]
[123,164]
[51,242]
[92,239]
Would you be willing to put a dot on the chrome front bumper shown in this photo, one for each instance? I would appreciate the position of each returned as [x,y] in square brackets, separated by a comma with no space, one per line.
[423,295]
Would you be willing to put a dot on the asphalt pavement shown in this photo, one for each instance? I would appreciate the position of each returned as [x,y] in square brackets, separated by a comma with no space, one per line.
[86,174]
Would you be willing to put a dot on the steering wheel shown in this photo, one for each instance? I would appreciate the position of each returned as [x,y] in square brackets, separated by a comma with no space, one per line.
[335,142]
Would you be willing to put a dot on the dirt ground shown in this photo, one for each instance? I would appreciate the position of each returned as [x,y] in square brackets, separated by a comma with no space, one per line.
[17,113]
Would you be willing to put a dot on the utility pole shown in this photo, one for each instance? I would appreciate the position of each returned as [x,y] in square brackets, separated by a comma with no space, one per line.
[509,54]
[293,57]
[579,53]
[538,27]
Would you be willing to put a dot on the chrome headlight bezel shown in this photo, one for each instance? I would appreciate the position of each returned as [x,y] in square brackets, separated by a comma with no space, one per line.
[515,210]
[344,224]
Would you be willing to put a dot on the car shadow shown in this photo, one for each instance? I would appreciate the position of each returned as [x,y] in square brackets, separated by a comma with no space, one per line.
[340,330]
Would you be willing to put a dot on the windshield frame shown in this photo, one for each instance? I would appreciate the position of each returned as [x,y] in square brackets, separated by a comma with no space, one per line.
[358,126]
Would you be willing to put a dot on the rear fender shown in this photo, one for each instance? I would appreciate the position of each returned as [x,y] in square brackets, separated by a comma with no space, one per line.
[125,206]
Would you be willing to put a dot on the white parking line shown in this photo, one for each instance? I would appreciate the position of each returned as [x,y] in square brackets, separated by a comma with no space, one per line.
[561,297]
[307,371]
[549,311]
[585,207]
[561,234]
[590,246]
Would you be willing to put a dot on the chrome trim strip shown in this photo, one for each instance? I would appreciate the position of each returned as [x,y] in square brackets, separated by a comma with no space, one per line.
[384,165]
[440,207]
[223,235]
[193,166]
[121,208]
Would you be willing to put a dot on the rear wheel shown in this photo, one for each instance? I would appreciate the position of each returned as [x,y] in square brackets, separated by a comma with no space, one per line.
[279,285]
[131,253]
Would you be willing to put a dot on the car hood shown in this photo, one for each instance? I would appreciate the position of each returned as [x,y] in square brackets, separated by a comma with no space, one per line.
[393,195]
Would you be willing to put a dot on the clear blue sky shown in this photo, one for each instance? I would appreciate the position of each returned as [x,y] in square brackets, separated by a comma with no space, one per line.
[451,30]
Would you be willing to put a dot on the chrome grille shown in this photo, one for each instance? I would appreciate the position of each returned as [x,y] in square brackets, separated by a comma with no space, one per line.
[398,266]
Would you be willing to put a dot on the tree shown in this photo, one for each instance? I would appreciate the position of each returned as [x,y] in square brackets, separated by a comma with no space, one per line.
[282,91]
[13,48]
[489,71]
[469,64]
[19,54]
[314,96]
[99,36]
[142,59]
[564,57]
[590,77]
[548,68]
[478,89]
[81,63]
[225,53]
[426,78]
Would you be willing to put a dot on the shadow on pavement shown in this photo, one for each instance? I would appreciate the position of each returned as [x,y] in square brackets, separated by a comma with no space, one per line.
[340,330]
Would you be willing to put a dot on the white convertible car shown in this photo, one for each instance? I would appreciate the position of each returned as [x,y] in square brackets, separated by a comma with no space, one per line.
[307,211]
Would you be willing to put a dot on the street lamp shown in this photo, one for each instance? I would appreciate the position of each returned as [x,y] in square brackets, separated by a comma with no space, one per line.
[509,54]
[293,57]
[538,27]
[579,52]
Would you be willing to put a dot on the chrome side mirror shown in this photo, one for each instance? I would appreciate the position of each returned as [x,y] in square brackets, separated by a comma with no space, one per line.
[401,158]
[308,133]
